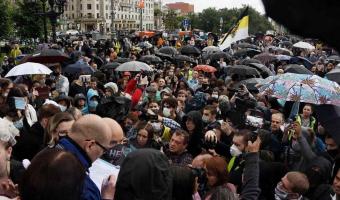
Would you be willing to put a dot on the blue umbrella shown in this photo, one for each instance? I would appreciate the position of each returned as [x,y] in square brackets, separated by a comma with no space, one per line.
[301,61]
[78,68]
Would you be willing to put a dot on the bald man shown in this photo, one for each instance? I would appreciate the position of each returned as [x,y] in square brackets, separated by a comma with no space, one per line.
[117,134]
[90,137]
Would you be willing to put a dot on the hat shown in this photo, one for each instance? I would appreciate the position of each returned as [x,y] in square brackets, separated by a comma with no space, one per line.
[8,132]
[63,97]
[166,90]
[151,89]
[79,96]
[127,74]
[112,86]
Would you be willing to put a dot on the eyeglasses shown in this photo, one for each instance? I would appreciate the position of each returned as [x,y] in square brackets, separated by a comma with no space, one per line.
[101,146]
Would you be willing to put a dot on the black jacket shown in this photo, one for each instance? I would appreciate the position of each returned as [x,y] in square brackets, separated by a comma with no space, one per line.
[196,138]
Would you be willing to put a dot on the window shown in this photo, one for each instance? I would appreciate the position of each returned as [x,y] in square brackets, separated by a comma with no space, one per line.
[65,8]
[106,16]
[81,14]
[97,6]
[89,6]
[97,15]
[72,15]
[106,7]
[89,15]
[117,16]
[72,7]
[81,6]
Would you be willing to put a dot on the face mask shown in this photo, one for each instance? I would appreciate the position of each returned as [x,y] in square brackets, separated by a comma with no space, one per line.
[205,119]
[333,152]
[215,96]
[93,104]
[107,59]
[156,127]
[5,94]
[19,124]
[62,108]
[234,151]
[282,194]
[166,112]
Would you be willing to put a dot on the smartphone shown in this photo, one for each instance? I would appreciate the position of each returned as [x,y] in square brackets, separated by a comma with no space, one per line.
[20,103]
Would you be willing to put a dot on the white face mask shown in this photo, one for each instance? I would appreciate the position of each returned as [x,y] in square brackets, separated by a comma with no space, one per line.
[166,112]
[156,127]
[234,151]
[214,96]
[62,108]
[205,119]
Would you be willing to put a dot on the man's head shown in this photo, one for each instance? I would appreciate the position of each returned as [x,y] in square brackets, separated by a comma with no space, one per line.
[161,82]
[331,146]
[169,106]
[179,142]
[93,135]
[307,111]
[277,121]
[93,83]
[56,70]
[116,131]
[46,112]
[209,114]
[240,141]
[293,183]
[194,75]
[336,183]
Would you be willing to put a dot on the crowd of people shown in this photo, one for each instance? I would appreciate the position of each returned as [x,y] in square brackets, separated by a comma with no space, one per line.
[177,132]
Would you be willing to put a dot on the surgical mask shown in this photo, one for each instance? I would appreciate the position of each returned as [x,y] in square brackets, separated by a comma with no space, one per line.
[62,108]
[107,59]
[93,104]
[234,151]
[156,127]
[205,119]
[5,94]
[19,124]
[166,112]
[282,194]
[215,96]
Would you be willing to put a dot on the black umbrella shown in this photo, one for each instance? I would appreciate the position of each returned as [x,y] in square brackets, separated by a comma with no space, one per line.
[246,52]
[329,117]
[190,50]
[181,58]
[150,59]
[334,75]
[168,50]
[248,61]
[111,65]
[219,55]
[301,61]
[98,61]
[164,56]
[122,60]
[242,70]
[78,68]
[297,69]
[286,44]
[335,58]
[246,45]
[48,56]
[250,84]
[264,71]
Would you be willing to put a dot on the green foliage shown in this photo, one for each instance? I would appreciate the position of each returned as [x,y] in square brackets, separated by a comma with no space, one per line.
[5,19]
[28,23]
[171,21]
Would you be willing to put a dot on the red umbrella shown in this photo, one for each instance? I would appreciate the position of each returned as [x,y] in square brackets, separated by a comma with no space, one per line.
[205,68]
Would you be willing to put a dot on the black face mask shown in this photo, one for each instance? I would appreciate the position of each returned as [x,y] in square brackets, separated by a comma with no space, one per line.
[56,73]
[333,153]
[205,86]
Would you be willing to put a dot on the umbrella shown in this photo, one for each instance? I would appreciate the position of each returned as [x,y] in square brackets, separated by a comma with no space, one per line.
[145,45]
[304,45]
[122,60]
[205,68]
[211,49]
[284,51]
[78,68]
[301,61]
[247,45]
[334,75]
[329,117]
[150,59]
[168,50]
[246,52]
[28,68]
[133,66]
[219,55]
[264,71]
[242,70]
[302,87]
[248,61]
[182,58]
[111,65]
[282,38]
[283,57]
[164,56]
[297,69]
[286,43]
[335,58]
[249,83]
[48,56]
[265,58]
[190,50]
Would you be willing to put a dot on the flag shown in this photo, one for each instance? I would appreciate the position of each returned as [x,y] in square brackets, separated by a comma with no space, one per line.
[237,32]
[141,4]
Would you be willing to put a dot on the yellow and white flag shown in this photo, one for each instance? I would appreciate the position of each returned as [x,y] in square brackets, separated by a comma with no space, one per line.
[237,32]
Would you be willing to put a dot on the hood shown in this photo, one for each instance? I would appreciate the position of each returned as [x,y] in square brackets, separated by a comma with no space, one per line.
[91,93]
[152,180]
[112,86]
[79,96]
[196,116]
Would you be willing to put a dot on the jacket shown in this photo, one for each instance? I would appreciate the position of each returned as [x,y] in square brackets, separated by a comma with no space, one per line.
[90,190]
[196,138]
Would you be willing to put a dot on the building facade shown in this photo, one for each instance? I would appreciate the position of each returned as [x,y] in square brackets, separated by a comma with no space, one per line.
[107,15]
[185,8]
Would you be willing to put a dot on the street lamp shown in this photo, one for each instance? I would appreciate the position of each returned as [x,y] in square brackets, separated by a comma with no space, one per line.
[56,9]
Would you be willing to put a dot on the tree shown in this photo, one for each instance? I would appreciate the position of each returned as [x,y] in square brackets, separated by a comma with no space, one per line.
[209,20]
[27,23]
[194,20]
[5,19]
[258,22]
[171,21]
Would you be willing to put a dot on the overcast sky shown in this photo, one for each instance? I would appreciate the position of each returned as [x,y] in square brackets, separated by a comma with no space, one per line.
[203,4]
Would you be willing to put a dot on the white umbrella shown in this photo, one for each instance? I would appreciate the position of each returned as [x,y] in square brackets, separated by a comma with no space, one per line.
[28,68]
[304,45]
[133,66]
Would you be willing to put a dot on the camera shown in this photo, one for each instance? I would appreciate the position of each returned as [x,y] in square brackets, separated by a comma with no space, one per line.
[201,174]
